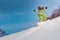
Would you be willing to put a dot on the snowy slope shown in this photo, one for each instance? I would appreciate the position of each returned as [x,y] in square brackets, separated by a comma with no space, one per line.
[49,30]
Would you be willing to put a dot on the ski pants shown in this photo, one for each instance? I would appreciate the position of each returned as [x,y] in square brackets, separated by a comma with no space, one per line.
[40,17]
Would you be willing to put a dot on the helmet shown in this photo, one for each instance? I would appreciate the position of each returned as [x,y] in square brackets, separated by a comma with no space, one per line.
[40,8]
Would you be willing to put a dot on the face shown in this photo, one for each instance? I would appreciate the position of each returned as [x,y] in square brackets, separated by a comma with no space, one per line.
[40,8]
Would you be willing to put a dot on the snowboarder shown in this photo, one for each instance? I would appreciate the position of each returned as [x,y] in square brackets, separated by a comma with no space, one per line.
[40,10]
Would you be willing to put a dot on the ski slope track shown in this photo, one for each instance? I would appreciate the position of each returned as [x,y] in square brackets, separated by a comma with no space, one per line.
[49,30]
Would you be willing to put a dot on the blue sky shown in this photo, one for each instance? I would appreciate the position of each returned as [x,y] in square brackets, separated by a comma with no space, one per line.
[20,12]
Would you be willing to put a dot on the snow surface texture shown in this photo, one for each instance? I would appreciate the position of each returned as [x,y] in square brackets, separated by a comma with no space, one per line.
[49,30]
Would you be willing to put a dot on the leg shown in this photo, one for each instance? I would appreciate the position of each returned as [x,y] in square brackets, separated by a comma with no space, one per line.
[44,17]
[40,18]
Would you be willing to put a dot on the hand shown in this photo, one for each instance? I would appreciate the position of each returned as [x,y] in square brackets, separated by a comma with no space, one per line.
[45,7]
[34,10]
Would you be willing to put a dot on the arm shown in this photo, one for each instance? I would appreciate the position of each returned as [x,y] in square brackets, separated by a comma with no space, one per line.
[35,10]
[45,8]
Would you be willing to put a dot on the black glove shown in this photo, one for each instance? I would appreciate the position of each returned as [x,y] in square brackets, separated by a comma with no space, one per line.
[34,10]
[45,7]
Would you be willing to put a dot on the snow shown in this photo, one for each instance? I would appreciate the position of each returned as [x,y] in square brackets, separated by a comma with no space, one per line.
[49,30]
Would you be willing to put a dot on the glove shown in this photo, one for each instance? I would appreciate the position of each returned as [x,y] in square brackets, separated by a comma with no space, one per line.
[34,10]
[45,7]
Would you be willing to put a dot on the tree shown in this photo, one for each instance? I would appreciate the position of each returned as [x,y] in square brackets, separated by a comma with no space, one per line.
[2,33]
[55,14]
